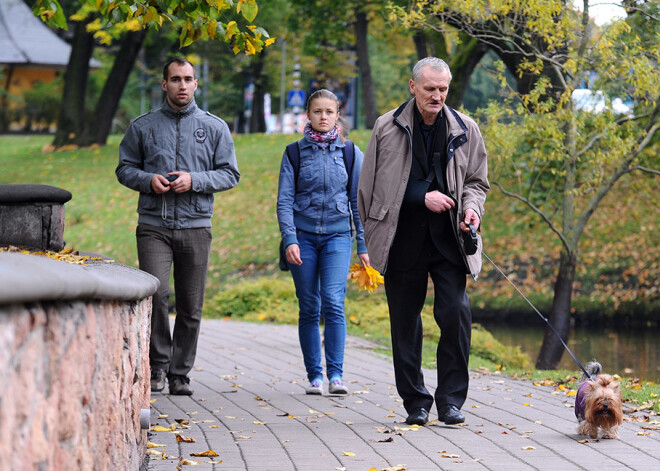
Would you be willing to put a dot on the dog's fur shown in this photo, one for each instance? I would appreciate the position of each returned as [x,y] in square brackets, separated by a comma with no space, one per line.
[598,404]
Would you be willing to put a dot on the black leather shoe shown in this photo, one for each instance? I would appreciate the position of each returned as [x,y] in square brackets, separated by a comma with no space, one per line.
[417,416]
[450,415]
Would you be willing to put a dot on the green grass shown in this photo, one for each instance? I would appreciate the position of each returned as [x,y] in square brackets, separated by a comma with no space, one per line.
[618,273]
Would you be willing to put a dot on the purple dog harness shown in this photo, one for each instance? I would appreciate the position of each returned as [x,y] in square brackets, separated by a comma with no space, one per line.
[581,400]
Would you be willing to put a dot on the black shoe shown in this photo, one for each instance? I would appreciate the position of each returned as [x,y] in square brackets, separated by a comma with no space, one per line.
[418,416]
[157,380]
[450,415]
[179,386]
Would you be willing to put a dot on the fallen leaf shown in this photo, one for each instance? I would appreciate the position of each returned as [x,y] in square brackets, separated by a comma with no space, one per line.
[154,445]
[185,462]
[348,453]
[160,428]
[205,453]
[528,448]
[181,438]
[448,456]
[256,422]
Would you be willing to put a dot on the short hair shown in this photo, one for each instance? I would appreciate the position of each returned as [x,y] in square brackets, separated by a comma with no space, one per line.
[433,62]
[322,93]
[180,61]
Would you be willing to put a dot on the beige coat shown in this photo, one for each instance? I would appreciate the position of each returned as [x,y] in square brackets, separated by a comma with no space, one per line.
[386,169]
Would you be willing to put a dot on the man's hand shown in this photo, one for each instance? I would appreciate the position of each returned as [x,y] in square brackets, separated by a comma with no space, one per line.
[470,218]
[183,182]
[160,184]
[293,254]
[438,202]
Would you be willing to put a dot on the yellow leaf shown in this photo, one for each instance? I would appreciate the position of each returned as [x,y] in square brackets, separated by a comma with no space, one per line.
[206,453]
[154,445]
[366,277]
[348,453]
[160,428]
[256,422]
[181,438]
[269,41]
[230,30]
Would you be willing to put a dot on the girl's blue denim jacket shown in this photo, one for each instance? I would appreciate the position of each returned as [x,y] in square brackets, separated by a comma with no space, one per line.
[320,202]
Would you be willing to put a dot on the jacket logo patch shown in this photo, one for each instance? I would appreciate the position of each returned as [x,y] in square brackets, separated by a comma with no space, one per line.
[200,135]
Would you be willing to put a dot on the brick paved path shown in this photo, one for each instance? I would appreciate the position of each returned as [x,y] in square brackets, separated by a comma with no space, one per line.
[250,407]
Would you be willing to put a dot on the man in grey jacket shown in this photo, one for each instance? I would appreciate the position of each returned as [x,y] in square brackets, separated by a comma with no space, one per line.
[424,181]
[176,157]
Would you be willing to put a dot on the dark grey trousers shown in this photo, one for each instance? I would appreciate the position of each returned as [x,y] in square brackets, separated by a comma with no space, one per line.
[188,250]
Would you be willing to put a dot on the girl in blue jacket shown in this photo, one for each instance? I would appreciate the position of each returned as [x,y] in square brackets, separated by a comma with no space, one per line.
[316,200]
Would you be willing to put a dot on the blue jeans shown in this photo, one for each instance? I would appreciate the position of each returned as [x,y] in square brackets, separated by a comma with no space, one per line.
[321,289]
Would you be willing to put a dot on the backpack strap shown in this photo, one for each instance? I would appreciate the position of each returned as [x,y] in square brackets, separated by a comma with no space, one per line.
[349,160]
[293,154]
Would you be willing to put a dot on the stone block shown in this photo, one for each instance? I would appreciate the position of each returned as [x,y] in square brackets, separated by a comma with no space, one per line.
[32,216]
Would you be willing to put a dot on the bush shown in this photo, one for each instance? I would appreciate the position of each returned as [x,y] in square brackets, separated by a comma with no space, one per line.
[263,299]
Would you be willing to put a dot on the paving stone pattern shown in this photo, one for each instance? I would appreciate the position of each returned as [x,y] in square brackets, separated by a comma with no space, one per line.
[250,407]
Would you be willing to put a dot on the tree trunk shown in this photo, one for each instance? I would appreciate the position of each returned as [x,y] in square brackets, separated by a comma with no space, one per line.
[362,49]
[106,107]
[4,109]
[71,123]
[463,63]
[560,314]
[421,47]
[257,118]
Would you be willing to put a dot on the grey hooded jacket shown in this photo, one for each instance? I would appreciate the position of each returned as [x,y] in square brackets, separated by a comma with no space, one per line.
[166,140]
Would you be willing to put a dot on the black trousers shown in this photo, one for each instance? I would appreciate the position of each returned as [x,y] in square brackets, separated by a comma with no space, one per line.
[406,293]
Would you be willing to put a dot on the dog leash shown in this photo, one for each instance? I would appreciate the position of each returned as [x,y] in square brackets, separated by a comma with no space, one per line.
[540,315]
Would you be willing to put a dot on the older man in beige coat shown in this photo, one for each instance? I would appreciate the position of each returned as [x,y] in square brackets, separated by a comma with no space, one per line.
[423,183]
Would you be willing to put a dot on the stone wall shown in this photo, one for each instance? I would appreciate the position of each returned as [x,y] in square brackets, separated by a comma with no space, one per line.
[74,364]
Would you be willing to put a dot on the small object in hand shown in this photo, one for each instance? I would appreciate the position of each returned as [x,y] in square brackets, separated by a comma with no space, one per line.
[470,241]
[366,277]
[171,178]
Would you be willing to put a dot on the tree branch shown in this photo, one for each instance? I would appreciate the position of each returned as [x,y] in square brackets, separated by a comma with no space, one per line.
[538,211]
[644,169]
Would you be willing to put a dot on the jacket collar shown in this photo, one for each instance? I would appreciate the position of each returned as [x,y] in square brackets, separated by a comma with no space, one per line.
[172,113]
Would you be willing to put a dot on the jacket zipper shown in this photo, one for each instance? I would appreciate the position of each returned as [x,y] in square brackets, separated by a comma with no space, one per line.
[176,163]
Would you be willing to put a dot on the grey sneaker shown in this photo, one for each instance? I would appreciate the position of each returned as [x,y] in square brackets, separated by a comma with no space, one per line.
[316,388]
[179,386]
[337,387]
[158,380]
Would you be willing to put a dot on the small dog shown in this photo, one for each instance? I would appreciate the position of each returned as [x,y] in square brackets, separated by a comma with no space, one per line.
[598,403]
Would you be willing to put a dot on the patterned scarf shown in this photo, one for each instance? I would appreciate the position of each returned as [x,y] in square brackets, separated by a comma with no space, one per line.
[323,139]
